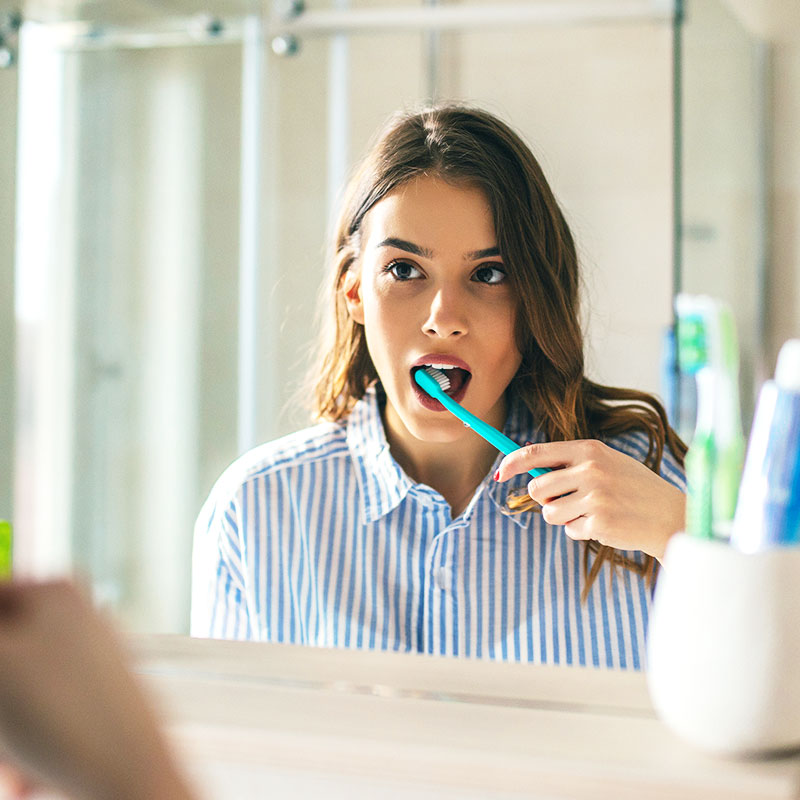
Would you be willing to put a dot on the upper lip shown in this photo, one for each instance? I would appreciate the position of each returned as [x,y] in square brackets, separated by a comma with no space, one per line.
[441,358]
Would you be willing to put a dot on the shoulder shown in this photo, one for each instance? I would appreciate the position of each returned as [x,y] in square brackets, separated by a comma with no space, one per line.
[225,517]
[324,442]
[636,444]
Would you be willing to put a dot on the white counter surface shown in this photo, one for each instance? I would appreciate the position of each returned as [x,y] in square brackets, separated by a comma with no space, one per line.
[260,720]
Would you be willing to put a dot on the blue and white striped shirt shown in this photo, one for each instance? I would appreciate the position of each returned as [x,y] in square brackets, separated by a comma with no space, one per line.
[320,538]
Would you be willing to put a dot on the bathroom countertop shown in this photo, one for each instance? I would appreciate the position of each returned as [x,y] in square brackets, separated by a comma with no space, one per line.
[254,720]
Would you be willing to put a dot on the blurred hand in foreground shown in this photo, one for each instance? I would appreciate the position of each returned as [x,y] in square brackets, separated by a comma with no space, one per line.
[71,714]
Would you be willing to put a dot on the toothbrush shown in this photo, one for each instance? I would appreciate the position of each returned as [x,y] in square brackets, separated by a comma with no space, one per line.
[436,384]
[707,349]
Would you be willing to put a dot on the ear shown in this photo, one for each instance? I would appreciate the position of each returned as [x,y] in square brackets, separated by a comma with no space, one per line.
[351,289]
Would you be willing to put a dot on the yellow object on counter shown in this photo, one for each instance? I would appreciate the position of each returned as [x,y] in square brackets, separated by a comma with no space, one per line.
[6,549]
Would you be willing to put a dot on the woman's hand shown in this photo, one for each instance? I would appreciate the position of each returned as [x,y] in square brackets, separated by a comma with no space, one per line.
[71,715]
[598,493]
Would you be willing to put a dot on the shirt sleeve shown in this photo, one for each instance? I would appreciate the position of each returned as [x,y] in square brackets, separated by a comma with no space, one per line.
[219,597]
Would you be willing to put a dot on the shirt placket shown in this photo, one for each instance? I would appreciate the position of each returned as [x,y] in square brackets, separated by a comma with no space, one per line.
[439,596]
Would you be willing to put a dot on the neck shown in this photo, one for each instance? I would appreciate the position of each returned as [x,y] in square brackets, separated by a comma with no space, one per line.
[455,469]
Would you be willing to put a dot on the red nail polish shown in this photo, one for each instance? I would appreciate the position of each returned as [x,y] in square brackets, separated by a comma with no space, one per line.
[497,475]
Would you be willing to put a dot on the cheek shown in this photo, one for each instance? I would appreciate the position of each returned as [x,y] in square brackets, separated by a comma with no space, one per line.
[502,328]
[502,338]
[377,320]
[387,311]
[382,332]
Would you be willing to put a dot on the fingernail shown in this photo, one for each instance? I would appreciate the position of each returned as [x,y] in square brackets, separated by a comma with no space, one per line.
[497,475]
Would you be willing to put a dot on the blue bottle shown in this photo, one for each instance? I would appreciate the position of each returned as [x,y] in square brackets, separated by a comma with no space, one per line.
[768,509]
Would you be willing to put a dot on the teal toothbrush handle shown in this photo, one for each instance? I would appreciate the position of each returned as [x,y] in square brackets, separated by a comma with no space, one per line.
[492,435]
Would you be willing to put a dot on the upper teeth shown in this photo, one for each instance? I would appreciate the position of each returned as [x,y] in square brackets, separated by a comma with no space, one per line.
[440,366]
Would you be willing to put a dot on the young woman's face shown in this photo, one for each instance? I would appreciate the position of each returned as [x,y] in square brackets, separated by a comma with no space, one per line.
[430,287]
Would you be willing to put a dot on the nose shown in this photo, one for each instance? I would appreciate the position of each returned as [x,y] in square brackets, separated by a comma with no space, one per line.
[447,315]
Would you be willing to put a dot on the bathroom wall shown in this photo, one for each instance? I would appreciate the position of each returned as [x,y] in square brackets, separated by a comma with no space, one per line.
[784,284]
[778,23]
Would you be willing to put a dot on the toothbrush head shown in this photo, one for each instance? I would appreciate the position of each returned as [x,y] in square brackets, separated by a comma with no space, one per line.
[692,343]
[706,334]
[432,380]
[696,317]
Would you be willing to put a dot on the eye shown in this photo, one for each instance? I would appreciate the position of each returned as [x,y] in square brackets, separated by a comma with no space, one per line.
[402,270]
[487,273]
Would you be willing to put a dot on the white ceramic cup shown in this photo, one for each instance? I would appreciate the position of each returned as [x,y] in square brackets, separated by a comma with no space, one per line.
[724,646]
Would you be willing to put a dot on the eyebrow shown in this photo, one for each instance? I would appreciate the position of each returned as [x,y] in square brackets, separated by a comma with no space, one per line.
[424,252]
[477,255]
[409,247]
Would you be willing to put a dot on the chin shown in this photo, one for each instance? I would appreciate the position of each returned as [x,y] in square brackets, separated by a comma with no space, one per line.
[448,429]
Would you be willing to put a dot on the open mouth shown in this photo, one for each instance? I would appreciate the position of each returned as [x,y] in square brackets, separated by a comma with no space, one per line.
[458,378]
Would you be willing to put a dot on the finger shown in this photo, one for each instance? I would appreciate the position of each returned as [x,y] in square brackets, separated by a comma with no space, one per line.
[551,455]
[579,529]
[20,592]
[14,783]
[547,487]
[10,598]
[564,510]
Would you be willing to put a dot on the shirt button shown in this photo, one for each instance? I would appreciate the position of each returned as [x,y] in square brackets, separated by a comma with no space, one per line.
[441,578]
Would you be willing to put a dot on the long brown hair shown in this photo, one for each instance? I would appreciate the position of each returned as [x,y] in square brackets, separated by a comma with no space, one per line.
[467,145]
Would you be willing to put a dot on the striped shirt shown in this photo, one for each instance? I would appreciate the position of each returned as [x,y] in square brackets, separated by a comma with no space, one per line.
[320,538]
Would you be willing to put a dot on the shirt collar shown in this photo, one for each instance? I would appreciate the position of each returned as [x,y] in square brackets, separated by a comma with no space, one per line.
[383,485]
[381,481]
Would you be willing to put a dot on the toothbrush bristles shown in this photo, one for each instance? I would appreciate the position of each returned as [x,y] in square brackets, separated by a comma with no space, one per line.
[440,378]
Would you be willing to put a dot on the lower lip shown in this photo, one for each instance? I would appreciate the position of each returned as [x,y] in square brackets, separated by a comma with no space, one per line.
[426,401]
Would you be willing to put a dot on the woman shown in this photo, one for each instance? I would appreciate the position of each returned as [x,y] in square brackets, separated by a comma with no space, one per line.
[382,526]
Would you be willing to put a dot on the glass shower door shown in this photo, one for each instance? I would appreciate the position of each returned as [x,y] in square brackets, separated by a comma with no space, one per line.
[127,281]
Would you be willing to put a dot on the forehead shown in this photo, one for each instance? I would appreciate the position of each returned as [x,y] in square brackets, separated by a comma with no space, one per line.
[435,214]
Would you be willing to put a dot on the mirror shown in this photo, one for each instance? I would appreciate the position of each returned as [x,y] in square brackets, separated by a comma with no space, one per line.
[176,179]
